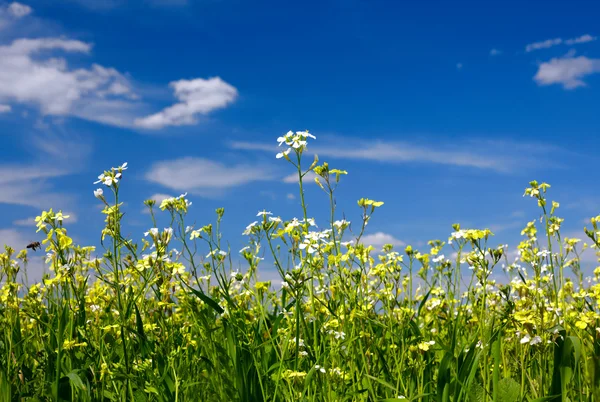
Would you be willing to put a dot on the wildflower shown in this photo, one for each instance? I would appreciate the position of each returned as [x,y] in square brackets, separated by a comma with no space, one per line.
[216,254]
[59,217]
[178,269]
[425,346]
[439,258]
[319,368]
[264,213]
[249,228]
[296,141]
[284,153]
[153,232]
[99,194]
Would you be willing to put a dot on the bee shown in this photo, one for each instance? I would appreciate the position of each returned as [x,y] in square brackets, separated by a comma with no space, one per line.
[34,245]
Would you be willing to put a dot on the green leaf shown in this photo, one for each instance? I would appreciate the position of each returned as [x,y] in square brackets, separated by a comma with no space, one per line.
[508,390]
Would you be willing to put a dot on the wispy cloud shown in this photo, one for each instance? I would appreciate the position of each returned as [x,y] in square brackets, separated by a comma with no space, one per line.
[205,177]
[567,71]
[104,5]
[31,183]
[19,10]
[28,186]
[500,156]
[559,41]
[501,227]
[5,108]
[379,239]
[293,178]
[11,13]
[495,52]
[196,97]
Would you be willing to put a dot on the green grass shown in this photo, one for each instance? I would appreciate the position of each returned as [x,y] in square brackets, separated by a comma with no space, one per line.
[350,323]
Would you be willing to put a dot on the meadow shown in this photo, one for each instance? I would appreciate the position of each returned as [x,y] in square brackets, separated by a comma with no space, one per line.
[167,318]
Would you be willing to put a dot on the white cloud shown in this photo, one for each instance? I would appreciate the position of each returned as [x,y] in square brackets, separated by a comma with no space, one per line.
[307,179]
[582,39]
[543,45]
[290,196]
[11,13]
[5,108]
[378,239]
[203,176]
[28,186]
[495,52]
[25,222]
[567,71]
[13,238]
[500,156]
[197,97]
[104,5]
[19,10]
[459,66]
[65,148]
[30,183]
[160,197]
[29,75]
[559,41]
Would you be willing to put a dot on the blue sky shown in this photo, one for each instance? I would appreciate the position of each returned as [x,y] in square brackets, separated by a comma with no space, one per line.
[444,110]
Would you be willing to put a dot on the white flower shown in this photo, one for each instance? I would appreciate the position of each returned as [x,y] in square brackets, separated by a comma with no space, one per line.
[248,230]
[216,252]
[98,193]
[535,340]
[100,179]
[439,258]
[459,234]
[319,368]
[305,134]
[341,224]
[525,339]
[108,181]
[152,232]
[245,249]
[295,141]
[280,154]
[264,213]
